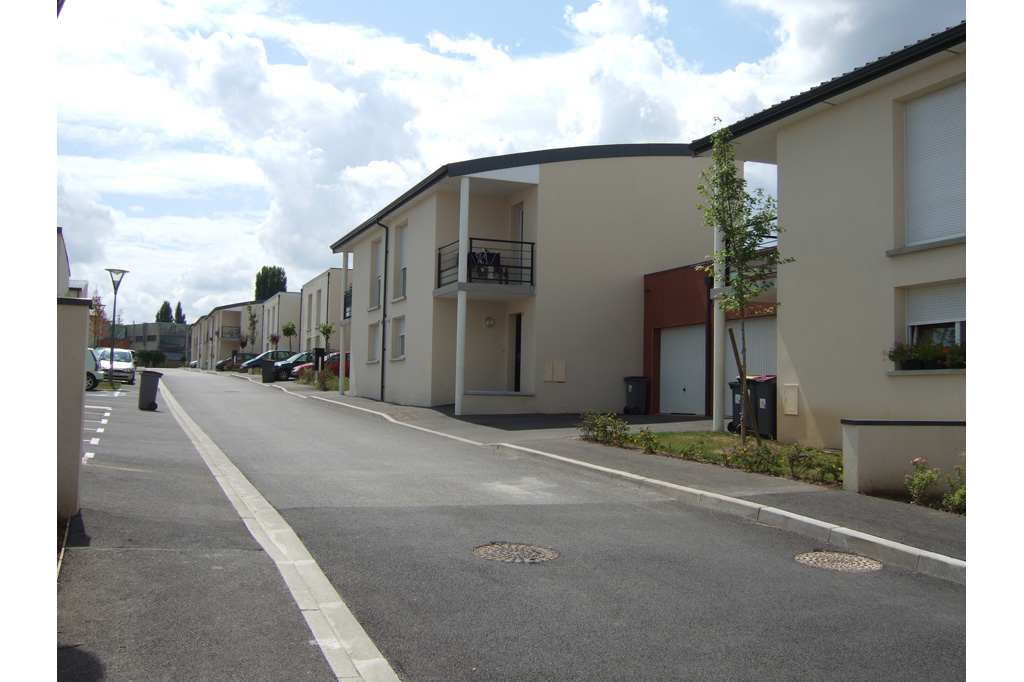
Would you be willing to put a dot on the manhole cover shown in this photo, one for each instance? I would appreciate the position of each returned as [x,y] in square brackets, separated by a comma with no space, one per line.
[513,553]
[839,561]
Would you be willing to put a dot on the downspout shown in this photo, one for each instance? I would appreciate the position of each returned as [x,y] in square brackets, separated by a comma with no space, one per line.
[328,320]
[384,311]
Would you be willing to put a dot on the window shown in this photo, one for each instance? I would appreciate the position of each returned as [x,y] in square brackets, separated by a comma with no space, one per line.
[372,342]
[319,292]
[401,244]
[935,144]
[938,313]
[398,338]
[376,267]
[309,312]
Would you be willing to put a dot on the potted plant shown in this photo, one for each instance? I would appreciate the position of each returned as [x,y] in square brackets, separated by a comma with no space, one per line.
[903,355]
[929,353]
[954,356]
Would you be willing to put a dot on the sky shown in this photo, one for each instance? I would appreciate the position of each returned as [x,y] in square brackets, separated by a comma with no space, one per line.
[200,140]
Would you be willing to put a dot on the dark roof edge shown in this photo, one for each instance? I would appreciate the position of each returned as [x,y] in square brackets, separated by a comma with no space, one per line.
[598,151]
[923,49]
[517,160]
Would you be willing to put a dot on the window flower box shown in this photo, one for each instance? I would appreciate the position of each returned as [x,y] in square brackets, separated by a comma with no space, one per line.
[927,355]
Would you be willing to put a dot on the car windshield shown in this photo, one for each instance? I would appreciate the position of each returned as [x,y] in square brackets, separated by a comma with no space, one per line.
[119,355]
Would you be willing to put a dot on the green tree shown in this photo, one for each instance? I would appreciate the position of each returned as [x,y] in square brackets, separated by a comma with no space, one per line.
[165,314]
[252,327]
[179,316]
[325,331]
[288,331]
[270,280]
[746,221]
[99,323]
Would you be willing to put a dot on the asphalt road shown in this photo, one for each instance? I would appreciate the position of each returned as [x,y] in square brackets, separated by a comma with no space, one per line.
[643,588]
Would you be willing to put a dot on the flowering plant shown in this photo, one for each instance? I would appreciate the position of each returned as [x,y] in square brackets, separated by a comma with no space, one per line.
[954,355]
[929,352]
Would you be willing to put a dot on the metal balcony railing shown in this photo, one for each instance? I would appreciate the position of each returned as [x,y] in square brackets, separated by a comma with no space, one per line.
[494,261]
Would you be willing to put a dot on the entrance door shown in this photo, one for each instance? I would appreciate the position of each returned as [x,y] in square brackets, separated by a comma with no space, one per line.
[682,369]
[515,329]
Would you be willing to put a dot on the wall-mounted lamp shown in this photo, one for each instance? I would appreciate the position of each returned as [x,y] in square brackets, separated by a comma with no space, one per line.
[488,322]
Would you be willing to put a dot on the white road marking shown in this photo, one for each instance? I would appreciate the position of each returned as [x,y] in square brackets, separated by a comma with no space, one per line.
[348,649]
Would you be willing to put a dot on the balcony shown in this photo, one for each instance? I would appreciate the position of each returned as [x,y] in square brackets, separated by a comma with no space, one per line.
[491,261]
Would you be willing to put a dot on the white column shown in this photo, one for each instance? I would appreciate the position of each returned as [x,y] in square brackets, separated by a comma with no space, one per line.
[718,372]
[460,320]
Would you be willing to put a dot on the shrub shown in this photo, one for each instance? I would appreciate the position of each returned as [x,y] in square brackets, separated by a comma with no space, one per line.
[797,460]
[956,500]
[755,458]
[922,479]
[603,428]
[646,440]
[698,449]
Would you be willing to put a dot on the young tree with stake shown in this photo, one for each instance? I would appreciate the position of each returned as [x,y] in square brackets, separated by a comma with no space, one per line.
[746,221]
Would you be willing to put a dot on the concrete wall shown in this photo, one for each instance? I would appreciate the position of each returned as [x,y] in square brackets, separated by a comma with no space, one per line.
[877,454]
[72,320]
[840,202]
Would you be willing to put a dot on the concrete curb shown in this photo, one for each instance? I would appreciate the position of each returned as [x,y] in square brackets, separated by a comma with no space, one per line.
[886,551]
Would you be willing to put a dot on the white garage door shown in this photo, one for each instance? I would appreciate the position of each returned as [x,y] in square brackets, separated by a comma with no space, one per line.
[682,369]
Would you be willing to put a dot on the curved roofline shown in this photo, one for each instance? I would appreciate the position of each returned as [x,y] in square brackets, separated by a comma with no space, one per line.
[519,159]
[938,42]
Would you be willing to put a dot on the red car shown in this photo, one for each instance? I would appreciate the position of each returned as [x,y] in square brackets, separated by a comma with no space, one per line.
[332,361]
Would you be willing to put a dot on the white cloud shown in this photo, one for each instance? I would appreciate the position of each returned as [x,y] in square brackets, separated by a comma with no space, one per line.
[629,17]
[170,99]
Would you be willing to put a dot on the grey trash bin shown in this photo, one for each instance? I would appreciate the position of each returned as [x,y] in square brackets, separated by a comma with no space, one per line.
[268,371]
[147,389]
[636,395]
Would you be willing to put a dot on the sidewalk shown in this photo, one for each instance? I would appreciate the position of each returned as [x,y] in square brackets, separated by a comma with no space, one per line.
[917,538]
[160,577]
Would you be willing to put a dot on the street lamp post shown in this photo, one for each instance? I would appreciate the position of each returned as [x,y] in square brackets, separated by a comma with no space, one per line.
[115,278]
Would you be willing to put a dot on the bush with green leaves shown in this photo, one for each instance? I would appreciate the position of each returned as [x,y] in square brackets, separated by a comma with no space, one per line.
[645,440]
[603,428]
[922,479]
[698,449]
[761,459]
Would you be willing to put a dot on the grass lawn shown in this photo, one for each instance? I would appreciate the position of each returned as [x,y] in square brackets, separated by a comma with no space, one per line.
[772,458]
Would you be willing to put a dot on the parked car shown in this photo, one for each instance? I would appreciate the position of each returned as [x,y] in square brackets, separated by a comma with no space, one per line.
[283,368]
[274,355]
[332,362]
[122,369]
[233,362]
[92,375]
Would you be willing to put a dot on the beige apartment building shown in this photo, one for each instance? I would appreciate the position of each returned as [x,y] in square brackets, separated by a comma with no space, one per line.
[279,310]
[217,334]
[872,197]
[514,284]
[322,302]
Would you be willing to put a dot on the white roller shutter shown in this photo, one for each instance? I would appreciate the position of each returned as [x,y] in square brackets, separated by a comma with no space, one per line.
[937,303]
[936,165]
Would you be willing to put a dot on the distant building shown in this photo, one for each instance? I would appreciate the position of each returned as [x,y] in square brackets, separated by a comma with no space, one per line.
[169,338]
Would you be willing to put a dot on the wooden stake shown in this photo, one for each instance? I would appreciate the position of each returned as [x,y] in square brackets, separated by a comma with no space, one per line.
[746,394]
